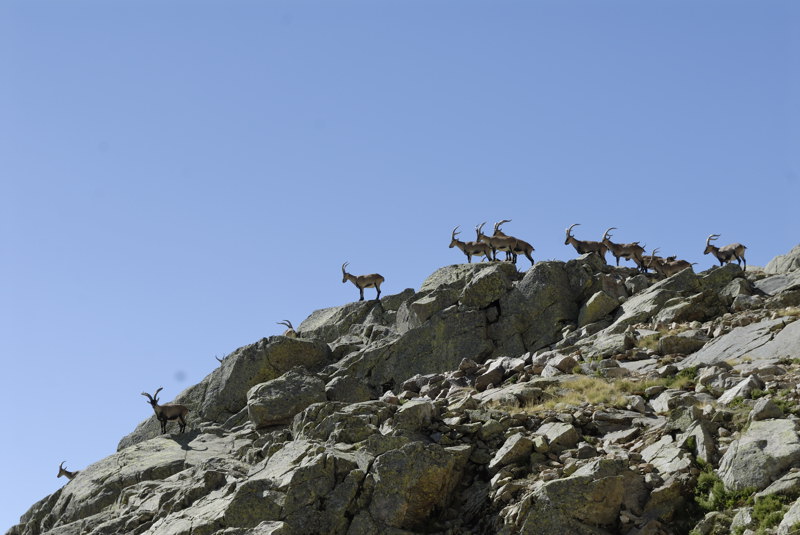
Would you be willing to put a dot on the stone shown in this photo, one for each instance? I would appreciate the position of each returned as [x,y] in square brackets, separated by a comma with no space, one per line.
[742,390]
[414,415]
[492,376]
[349,389]
[666,456]
[489,285]
[590,497]
[328,324]
[418,311]
[765,409]
[411,482]
[761,455]
[683,343]
[777,284]
[785,263]
[734,345]
[597,307]
[560,435]
[549,301]
[791,518]
[277,401]
[517,448]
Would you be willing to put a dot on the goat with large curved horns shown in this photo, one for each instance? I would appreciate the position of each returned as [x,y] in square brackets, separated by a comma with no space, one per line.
[470,248]
[498,243]
[727,253]
[519,246]
[585,246]
[167,411]
[372,280]
[667,267]
[289,332]
[66,473]
[629,251]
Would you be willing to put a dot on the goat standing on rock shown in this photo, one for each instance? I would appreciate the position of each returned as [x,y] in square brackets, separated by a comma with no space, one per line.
[726,254]
[66,473]
[667,267]
[470,248]
[585,246]
[518,246]
[167,411]
[629,251]
[372,280]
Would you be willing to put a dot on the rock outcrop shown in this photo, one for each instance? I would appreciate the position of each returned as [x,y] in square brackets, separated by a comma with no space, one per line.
[573,398]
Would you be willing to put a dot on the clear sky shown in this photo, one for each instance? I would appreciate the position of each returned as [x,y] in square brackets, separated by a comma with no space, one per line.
[175,177]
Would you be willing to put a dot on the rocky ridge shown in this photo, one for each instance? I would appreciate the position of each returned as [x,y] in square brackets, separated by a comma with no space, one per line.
[574,398]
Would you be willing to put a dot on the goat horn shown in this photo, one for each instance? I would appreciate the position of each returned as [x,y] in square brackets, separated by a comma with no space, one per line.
[606,235]
[497,225]
[454,232]
[344,266]
[572,227]
[61,466]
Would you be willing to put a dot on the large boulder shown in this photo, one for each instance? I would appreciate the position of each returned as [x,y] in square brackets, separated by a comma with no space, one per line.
[277,401]
[414,481]
[548,303]
[761,455]
[436,346]
[597,307]
[582,503]
[328,324]
[489,285]
[785,263]
[761,342]
[779,283]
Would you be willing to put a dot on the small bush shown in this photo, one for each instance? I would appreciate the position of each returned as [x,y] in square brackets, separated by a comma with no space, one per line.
[768,511]
[711,495]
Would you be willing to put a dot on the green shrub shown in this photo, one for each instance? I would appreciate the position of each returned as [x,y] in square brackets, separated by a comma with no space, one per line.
[711,495]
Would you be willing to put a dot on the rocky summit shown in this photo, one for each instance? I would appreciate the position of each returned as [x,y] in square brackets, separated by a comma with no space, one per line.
[575,398]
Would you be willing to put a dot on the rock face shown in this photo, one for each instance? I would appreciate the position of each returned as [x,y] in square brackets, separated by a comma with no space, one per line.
[576,398]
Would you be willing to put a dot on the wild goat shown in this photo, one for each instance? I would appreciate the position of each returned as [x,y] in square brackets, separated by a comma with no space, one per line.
[585,246]
[66,473]
[289,332]
[372,280]
[497,243]
[726,254]
[629,251]
[667,267]
[470,248]
[167,411]
[518,247]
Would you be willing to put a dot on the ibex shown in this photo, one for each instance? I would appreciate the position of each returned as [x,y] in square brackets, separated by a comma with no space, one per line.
[498,243]
[289,332]
[667,267]
[167,411]
[372,280]
[519,246]
[585,246]
[726,254]
[629,251]
[470,248]
[66,473]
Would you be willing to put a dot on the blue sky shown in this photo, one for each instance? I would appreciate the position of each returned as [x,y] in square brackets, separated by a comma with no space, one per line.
[175,177]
